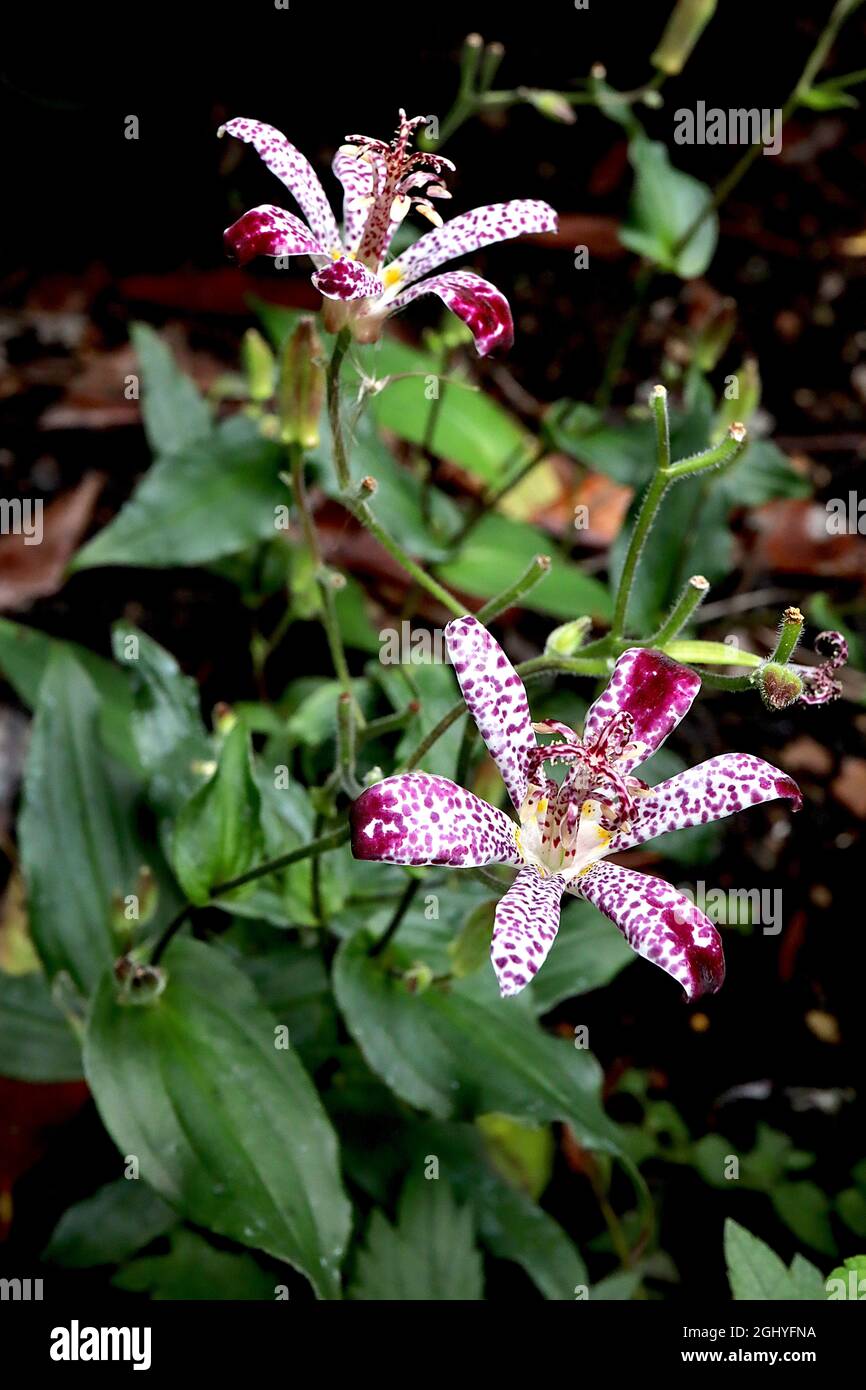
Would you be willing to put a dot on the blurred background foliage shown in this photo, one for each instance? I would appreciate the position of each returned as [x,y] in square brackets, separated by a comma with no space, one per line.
[163,654]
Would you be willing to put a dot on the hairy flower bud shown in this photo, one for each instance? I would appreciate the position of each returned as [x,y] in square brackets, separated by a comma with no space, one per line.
[779,685]
[302,386]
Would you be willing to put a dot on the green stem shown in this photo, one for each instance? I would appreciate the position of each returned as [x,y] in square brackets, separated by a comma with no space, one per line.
[330,621]
[393,926]
[789,635]
[531,576]
[362,513]
[315,847]
[692,596]
[332,840]
[620,345]
[341,347]
[389,723]
[721,456]
[346,744]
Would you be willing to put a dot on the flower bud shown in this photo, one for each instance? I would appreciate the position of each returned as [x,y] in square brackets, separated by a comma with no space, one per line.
[688,20]
[302,386]
[259,365]
[568,638]
[418,978]
[552,105]
[779,685]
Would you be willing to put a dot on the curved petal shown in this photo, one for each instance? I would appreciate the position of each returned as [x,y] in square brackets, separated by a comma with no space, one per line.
[481,306]
[415,818]
[654,690]
[496,698]
[347,279]
[480,227]
[658,922]
[358,179]
[717,788]
[270,231]
[525,927]
[294,170]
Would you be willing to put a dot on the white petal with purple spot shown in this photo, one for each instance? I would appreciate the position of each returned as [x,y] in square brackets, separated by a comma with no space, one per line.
[717,788]
[480,305]
[526,923]
[294,170]
[271,231]
[496,698]
[480,227]
[416,818]
[654,691]
[658,922]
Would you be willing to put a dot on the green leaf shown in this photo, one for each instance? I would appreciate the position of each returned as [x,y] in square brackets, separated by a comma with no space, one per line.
[436,690]
[24,657]
[523,1154]
[119,1218]
[469,429]
[418,514]
[851,1205]
[588,953]
[218,834]
[214,498]
[429,1257]
[848,1280]
[459,1050]
[166,722]
[623,450]
[509,1222]
[470,949]
[756,1272]
[173,412]
[664,206]
[77,834]
[36,1042]
[194,1269]
[501,548]
[225,1124]
[805,1210]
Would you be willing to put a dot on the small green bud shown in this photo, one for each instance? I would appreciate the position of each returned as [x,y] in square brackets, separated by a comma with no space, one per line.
[568,638]
[418,978]
[259,365]
[779,685]
[552,105]
[138,983]
[302,386]
[687,22]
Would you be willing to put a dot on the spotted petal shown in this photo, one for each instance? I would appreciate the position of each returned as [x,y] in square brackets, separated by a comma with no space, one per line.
[658,922]
[357,177]
[478,303]
[717,788]
[270,231]
[347,279]
[497,222]
[496,699]
[525,927]
[654,690]
[415,818]
[294,170]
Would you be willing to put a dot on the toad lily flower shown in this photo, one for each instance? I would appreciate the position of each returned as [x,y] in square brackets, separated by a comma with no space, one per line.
[568,829]
[380,184]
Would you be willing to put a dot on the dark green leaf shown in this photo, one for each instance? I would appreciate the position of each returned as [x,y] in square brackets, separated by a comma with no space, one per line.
[429,1257]
[36,1042]
[76,829]
[119,1218]
[218,834]
[459,1050]
[194,1269]
[213,499]
[225,1124]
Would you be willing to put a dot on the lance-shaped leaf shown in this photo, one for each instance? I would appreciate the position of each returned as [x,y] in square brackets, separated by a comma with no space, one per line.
[218,834]
[459,1051]
[77,828]
[225,1123]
